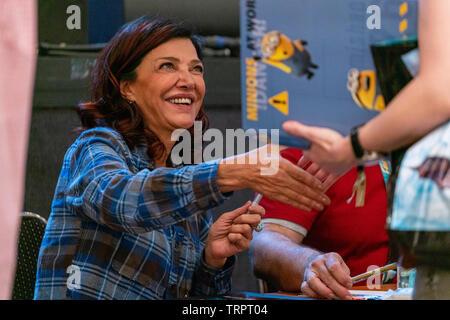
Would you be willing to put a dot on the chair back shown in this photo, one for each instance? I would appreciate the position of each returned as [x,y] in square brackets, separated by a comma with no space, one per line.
[31,232]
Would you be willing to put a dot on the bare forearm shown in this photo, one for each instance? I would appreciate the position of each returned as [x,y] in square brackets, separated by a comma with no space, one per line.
[425,102]
[232,176]
[280,261]
[412,114]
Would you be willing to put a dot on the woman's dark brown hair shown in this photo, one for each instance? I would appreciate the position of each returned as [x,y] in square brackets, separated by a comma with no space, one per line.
[118,62]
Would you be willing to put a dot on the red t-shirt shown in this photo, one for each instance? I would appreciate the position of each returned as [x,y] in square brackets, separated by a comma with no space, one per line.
[358,234]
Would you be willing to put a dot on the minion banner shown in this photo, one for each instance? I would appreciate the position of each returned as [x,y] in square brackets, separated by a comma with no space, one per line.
[311,61]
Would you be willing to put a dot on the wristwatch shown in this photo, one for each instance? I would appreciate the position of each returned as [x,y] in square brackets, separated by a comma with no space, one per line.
[362,155]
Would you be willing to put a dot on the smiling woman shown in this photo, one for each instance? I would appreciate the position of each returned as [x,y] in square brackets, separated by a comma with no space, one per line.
[169,88]
[126,223]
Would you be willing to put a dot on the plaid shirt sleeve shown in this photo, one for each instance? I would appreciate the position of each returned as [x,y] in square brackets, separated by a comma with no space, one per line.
[105,188]
[209,281]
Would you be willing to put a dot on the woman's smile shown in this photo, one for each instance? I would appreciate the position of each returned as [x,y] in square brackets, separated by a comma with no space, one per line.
[182,102]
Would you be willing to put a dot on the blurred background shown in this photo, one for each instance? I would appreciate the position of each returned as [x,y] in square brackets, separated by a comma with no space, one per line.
[67,52]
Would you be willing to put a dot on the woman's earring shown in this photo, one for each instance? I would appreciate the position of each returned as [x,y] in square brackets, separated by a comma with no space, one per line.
[130,102]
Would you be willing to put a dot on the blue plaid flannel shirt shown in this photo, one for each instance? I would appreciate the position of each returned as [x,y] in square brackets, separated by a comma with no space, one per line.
[121,229]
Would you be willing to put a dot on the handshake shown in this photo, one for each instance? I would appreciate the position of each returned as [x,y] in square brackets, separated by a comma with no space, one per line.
[301,185]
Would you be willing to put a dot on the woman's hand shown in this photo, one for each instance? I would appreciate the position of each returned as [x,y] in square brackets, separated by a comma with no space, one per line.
[266,172]
[329,149]
[231,233]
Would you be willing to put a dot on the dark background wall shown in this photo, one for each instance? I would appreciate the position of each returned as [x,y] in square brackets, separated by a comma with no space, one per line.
[62,82]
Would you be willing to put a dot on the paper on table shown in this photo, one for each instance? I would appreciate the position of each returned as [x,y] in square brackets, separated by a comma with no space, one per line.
[398,294]
[368,294]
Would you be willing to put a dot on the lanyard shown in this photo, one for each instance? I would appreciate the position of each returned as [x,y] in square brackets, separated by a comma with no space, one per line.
[359,187]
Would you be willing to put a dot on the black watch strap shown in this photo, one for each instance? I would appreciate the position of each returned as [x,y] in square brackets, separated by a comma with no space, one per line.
[357,149]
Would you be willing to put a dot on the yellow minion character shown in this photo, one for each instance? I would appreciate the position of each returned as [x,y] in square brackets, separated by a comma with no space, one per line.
[362,86]
[289,56]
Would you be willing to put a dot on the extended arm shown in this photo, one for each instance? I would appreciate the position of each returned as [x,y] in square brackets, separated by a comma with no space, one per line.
[101,185]
[419,108]
[425,102]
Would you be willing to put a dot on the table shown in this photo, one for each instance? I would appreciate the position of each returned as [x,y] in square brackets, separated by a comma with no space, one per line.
[283,295]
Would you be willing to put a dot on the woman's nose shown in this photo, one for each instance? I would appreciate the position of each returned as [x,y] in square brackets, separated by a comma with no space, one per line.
[185,79]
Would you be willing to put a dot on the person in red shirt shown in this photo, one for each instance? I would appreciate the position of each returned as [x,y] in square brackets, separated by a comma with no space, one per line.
[319,251]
